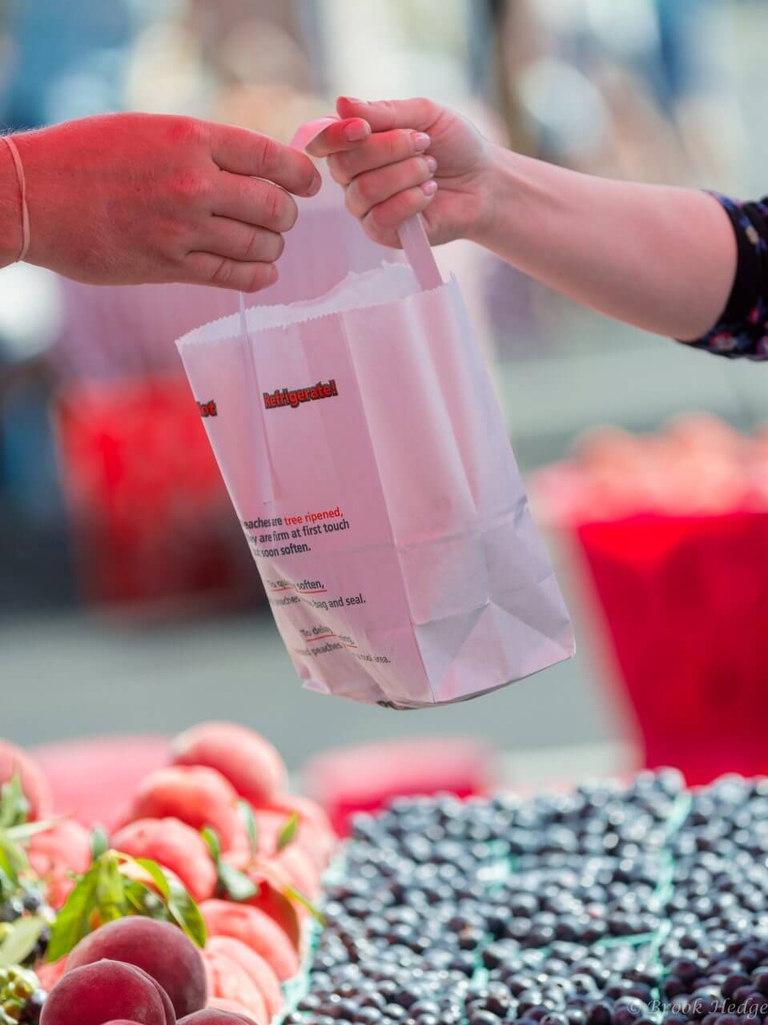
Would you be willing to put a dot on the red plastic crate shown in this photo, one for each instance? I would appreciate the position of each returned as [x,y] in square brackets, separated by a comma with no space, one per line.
[151,518]
[685,603]
[365,777]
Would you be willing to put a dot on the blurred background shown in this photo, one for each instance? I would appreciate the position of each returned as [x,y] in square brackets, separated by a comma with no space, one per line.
[128,600]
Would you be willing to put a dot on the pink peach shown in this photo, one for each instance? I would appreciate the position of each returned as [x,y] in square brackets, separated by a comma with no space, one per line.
[250,763]
[256,930]
[175,846]
[228,980]
[257,968]
[34,784]
[194,794]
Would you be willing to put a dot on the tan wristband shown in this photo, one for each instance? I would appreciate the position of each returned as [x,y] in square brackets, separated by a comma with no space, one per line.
[25,233]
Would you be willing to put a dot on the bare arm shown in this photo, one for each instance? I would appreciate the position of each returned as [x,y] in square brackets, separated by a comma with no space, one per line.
[659,257]
[134,198]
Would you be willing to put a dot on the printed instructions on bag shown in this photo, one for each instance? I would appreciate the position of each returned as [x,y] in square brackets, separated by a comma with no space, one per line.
[279,536]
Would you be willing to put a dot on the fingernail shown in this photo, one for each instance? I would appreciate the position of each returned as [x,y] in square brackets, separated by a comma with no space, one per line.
[351,99]
[429,188]
[421,141]
[273,274]
[357,131]
[314,188]
[431,164]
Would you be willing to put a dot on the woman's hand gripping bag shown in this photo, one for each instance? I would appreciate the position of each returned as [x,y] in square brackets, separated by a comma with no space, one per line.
[368,462]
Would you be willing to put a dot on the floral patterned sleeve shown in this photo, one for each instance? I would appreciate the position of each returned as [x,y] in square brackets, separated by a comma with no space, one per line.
[742,329]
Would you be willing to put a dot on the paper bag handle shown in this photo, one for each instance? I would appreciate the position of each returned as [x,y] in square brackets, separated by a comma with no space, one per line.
[413,237]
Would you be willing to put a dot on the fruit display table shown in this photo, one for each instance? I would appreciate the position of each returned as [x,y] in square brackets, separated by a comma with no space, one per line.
[222,899]
[85,775]
[151,520]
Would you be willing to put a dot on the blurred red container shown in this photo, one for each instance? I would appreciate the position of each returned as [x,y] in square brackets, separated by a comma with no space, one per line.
[93,779]
[365,777]
[151,519]
[685,602]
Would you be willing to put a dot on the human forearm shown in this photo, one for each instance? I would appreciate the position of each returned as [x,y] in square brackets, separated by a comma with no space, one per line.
[659,257]
[136,198]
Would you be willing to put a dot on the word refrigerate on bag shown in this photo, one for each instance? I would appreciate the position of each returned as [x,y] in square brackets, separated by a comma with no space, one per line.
[295,397]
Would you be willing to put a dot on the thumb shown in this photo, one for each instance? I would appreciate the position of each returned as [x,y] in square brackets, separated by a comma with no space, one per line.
[340,136]
[386,115]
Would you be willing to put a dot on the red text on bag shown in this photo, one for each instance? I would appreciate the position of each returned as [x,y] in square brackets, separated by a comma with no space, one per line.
[294,398]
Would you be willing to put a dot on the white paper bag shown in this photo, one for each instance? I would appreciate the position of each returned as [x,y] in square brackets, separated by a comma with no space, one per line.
[367,460]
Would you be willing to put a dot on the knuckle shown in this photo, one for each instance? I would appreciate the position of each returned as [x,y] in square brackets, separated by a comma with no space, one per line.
[301,168]
[366,187]
[185,132]
[222,271]
[265,152]
[278,208]
[285,210]
[354,204]
[175,239]
[256,278]
[272,206]
[426,105]
[404,204]
[192,188]
[339,167]
[396,143]
[374,230]
[421,171]
[376,218]
[254,245]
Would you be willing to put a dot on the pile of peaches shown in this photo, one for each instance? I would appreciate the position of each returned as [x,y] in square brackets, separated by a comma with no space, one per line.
[194,909]
[697,466]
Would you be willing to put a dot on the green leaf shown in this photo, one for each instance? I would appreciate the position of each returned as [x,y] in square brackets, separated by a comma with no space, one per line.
[7,886]
[144,901]
[105,890]
[135,895]
[73,922]
[211,838]
[99,843]
[25,830]
[295,895]
[249,821]
[236,885]
[14,807]
[159,877]
[288,832]
[13,860]
[181,908]
[22,940]
[110,890]
[8,881]
[101,890]
[186,913]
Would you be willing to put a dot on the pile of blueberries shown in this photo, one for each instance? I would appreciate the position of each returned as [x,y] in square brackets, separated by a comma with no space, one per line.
[615,904]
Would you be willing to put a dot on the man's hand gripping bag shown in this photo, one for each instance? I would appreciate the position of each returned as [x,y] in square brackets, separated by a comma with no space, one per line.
[368,462]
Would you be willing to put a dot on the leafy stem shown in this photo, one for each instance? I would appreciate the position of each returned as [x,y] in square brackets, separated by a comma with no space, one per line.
[115,886]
